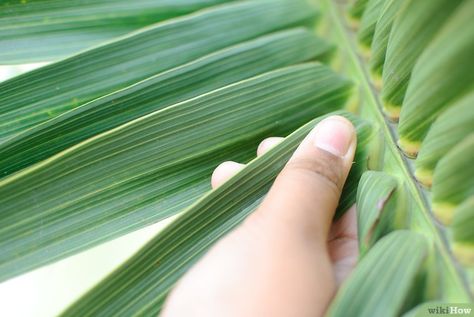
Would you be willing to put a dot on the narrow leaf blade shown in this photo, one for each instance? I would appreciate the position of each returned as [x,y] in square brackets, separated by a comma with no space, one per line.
[369,21]
[381,35]
[375,200]
[357,9]
[463,235]
[453,180]
[382,280]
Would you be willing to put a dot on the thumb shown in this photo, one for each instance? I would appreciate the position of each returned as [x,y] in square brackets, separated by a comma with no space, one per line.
[252,269]
[305,195]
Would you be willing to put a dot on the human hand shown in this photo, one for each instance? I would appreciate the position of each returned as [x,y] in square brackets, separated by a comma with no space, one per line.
[288,257]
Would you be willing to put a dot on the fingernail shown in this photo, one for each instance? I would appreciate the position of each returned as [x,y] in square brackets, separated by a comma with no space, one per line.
[334,135]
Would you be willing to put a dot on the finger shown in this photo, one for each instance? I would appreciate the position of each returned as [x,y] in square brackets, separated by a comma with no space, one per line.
[225,171]
[306,193]
[343,245]
[345,227]
[228,169]
[267,144]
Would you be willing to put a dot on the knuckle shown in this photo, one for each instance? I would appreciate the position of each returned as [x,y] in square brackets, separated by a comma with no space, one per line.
[326,168]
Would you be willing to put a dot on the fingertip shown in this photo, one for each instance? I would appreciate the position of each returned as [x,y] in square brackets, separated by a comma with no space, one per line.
[335,135]
[224,171]
[267,144]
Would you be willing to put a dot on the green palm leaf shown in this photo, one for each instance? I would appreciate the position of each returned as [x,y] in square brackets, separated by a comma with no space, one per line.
[382,280]
[463,235]
[453,180]
[357,9]
[379,208]
[381,36]
[369,21]
[48,30]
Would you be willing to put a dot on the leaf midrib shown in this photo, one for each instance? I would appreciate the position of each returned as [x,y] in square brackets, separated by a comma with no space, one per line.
[434,231]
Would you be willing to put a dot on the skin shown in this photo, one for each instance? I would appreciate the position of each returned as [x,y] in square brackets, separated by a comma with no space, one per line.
[288,257]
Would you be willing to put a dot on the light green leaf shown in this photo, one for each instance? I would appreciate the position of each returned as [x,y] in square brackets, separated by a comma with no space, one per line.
[463,235]
[357,9]
[450,128]
[381,35]
[413,29]
[140,286]
[187,81]
[34,31]
[444,73]
[45,93]
[376,207]
[463,222]
[453,180]
[368,22]
[381,281]
[152,167]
